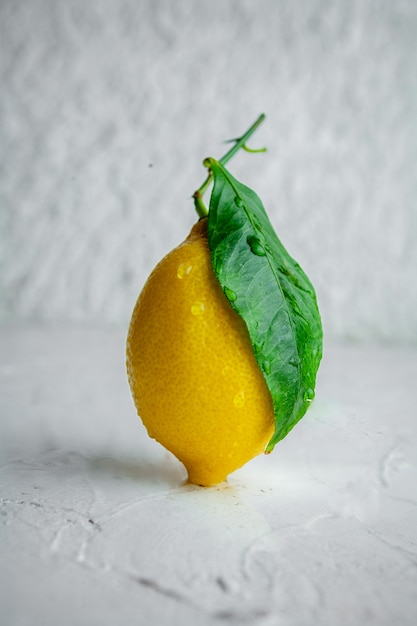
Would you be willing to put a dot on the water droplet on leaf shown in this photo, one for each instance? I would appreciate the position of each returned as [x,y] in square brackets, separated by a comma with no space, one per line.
[309,395]
[257,347]
[230,294]
[257,222]
[266,366]
[255,245]
[239,202]
[217,266]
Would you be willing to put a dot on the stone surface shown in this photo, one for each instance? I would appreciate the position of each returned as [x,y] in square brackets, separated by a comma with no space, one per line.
[99,528]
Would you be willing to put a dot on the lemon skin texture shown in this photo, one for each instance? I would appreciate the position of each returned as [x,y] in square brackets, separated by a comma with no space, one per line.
[191,368]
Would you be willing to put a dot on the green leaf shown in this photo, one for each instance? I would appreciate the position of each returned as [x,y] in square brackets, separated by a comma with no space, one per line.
[271,293]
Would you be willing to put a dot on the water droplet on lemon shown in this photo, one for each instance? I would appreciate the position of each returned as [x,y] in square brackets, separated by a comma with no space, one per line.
[184,269]
[198,308]
[239,399]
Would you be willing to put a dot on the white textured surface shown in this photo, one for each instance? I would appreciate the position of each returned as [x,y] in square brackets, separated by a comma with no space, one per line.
[97,528]
[93,93]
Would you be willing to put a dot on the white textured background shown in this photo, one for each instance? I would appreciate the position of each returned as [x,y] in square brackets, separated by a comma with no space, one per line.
[108,108]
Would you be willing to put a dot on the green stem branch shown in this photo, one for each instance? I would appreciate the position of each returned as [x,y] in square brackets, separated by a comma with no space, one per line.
[240,142]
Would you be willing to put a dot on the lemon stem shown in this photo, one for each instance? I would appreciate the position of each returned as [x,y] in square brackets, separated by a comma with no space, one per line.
[239,143]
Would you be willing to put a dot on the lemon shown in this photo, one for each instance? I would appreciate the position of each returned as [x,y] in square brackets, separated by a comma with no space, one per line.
[193,376]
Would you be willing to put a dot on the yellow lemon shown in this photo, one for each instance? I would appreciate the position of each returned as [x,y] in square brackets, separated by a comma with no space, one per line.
[192,372]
